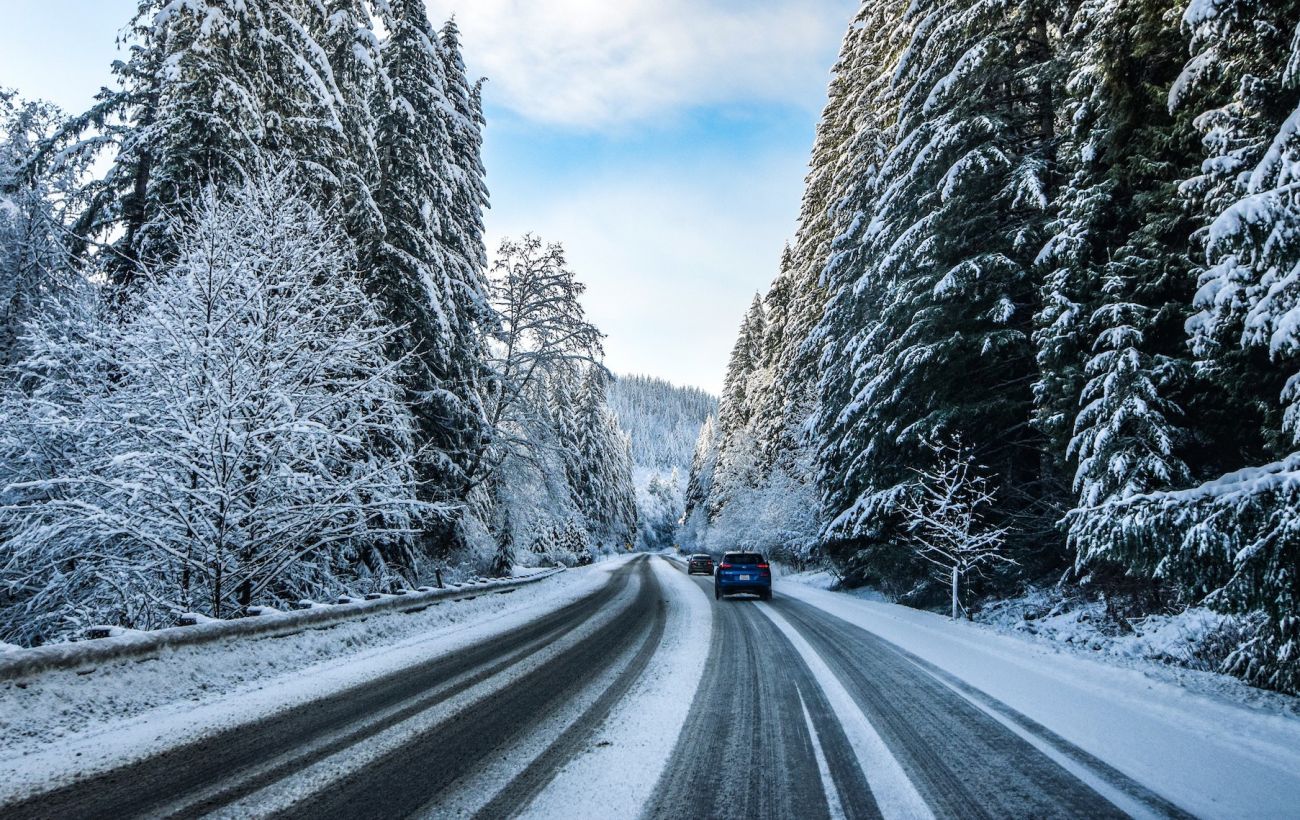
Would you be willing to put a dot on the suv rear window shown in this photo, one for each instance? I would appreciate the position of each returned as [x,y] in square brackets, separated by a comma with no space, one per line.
[701,558]
[743,558]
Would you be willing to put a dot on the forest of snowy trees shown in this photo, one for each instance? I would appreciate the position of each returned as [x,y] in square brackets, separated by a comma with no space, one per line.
[252,347]
[662,421]
[1066,234]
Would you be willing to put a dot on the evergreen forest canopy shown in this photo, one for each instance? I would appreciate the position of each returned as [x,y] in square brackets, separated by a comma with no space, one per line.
[1065,234]
[662,421]
[260,356]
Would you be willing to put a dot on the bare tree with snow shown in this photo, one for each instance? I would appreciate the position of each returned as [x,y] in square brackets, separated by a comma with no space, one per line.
[543,330]
[945,513]
[242,436]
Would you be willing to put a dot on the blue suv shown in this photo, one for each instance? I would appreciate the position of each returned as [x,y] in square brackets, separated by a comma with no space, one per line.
[743,572]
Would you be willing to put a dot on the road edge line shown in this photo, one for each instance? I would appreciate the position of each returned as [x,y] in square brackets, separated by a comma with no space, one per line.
[895,794]
[834,806]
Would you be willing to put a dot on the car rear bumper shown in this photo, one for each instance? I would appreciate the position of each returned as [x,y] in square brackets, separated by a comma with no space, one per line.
[752,587]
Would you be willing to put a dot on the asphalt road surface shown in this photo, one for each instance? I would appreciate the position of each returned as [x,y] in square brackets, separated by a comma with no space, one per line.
[783,724]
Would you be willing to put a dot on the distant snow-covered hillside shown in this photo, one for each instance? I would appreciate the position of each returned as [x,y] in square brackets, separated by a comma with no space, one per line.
[663,421]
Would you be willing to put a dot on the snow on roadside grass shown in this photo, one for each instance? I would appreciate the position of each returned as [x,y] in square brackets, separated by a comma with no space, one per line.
[615,776]
[1196,639]
[66,722]
[1210,755]
[823,579]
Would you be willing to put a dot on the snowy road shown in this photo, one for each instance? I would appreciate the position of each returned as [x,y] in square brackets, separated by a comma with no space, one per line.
[643,695]
[805,703]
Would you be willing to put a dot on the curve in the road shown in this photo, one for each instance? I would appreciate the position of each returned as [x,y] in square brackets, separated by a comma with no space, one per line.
[246,758]
[404,781]
[797,715]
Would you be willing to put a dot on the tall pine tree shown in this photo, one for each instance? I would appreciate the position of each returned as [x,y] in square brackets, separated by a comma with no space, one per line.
[420,280]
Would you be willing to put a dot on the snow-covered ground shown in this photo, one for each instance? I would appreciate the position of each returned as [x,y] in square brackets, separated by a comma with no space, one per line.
[1186,647]
[79,721]
[1215,747]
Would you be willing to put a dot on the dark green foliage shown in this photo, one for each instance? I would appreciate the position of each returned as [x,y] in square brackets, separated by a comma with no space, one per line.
[429,288]
[1042,227]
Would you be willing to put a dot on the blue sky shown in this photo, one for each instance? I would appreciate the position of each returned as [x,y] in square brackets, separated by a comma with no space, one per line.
[663,142]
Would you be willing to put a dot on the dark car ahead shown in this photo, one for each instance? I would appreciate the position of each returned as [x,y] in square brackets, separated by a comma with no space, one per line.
[699,563]
[743,572]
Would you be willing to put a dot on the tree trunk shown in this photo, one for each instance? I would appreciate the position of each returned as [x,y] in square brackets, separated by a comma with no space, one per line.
[954,593]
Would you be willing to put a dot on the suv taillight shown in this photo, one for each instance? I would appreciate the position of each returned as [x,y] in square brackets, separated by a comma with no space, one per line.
[762,566]
[724,566]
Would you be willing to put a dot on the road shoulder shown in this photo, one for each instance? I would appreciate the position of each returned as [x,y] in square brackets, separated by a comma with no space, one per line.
[1210,756]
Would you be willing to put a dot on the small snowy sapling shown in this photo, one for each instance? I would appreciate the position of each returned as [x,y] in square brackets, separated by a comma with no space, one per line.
[945,515]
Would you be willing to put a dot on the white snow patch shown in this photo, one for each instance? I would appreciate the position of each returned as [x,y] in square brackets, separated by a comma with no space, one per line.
[1182,640]
[824,579]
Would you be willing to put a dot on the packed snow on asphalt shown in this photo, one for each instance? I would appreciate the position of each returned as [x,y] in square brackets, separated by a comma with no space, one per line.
[625,689]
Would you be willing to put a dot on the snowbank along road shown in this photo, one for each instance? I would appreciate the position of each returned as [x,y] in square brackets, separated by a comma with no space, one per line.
[640,695]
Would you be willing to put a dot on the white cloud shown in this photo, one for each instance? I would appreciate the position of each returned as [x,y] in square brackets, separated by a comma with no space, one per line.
[603,63]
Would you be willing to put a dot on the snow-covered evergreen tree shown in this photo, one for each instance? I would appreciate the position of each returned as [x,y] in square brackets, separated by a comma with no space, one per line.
[1229,542]
[662,422]
[1109,337]
[1125,438]
[747,376]
[122,124]
[503,561]
[699,482]
[468,194]
[942,294]
[845,148]
[663,419]
[1248,294]
[602,475]
[34,253]
[461,236]
[842,341]
[356,70]
[422,284]
[239,77]
[207,88]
